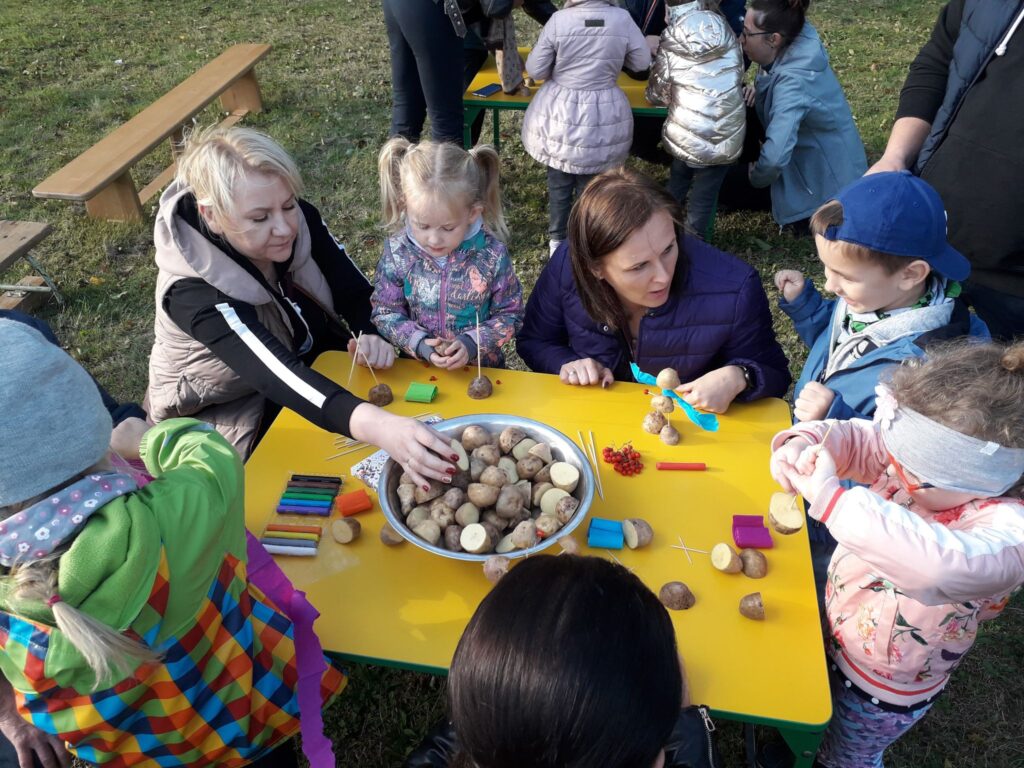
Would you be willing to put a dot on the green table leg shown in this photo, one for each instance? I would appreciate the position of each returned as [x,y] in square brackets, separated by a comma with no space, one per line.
[804,745]
[496,125]
[468,116]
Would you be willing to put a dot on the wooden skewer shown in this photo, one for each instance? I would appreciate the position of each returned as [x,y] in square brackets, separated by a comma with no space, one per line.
[593,463]
[352,368]
[478,370]
[348,451]
[597,466]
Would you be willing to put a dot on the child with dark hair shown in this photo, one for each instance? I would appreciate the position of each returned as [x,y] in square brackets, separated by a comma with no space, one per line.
[930,550]
[531,685]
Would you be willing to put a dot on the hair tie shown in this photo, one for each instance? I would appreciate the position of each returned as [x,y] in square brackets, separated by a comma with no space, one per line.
[53,600]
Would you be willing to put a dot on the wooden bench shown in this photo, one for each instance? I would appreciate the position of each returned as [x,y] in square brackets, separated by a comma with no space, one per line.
[101,176]
[17,238]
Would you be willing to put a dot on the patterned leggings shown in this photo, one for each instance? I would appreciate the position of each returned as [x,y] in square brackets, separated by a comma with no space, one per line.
[860,731]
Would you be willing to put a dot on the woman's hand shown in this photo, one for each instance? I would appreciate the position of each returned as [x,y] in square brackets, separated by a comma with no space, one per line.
[421,451]
[452,355]
[653,43]
[812,471]
[790,283]
[585,373]
[749,95]
[374,351]
[813,402]
[715,390]
[784,457]
[33,746]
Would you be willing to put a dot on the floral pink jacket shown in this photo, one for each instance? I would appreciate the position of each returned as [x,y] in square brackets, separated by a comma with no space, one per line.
[415,298]
[907,588]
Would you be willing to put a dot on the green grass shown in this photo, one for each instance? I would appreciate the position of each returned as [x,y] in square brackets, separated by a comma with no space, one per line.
[326,86]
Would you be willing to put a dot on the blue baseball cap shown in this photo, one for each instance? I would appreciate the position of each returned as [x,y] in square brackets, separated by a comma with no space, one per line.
[899,214]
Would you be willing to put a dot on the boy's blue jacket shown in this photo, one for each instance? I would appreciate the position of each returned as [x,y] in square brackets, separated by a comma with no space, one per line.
[854,384]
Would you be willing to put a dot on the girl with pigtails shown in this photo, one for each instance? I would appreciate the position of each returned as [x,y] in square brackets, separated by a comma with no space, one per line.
[445,286]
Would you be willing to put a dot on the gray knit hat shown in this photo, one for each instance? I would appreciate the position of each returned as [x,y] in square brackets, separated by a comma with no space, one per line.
[52,421]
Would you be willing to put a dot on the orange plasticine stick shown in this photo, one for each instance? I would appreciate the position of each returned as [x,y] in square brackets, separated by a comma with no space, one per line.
[353,503]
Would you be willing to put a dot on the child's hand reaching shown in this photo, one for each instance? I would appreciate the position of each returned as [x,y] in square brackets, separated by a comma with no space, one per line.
[715,390]
[790,283]
[813,470]
[749,95]
[449,353]
[813,402]
[784,457]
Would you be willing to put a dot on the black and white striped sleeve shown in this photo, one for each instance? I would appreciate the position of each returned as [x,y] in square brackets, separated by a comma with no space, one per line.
[232,331]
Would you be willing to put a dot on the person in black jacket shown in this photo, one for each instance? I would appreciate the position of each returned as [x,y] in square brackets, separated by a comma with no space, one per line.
[958,126]
[569,661]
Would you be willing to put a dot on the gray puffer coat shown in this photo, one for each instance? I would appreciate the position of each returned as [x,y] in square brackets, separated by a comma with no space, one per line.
[580,121]
[698,74]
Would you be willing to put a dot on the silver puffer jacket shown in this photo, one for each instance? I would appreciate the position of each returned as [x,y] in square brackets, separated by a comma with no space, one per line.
[698,73]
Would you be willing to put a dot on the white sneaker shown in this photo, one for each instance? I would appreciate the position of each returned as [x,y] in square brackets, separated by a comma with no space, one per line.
[553,246]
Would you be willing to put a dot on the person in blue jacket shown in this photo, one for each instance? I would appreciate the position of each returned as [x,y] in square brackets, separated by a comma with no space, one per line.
[628,286]
[811,148]
[882,241]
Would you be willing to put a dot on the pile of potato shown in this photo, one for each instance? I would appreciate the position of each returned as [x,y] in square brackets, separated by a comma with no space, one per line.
[509,493]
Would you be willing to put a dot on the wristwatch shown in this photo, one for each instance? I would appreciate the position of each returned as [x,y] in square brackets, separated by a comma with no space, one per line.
[748,376]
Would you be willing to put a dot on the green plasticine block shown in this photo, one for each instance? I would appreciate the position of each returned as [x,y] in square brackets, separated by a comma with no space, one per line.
[421,393]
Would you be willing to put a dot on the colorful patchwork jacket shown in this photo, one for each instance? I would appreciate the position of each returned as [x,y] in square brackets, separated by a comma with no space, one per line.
[907,588]
[417,298]
[165,564]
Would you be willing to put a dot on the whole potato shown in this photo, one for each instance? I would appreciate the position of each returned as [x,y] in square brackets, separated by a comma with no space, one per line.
[443,516]
[662,404]
[429,531]
[668,378]
[466,514]
[454,498]
[566,508]
[482,495]
[452,534]
[509,438]
[488,454]
[525,534]
[433,490]
[417,515]
[407,497]
[547,525]
[494,476]
[509,503]
[476,468]
[474,436]
[505,463]
[381,395]
[653,422]
[529,466]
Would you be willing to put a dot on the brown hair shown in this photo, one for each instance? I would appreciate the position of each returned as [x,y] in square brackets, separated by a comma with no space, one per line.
[831,215]
[786,17]
[612,207]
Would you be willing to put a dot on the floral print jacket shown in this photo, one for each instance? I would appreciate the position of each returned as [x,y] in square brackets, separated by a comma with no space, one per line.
[907,588]
[415,297]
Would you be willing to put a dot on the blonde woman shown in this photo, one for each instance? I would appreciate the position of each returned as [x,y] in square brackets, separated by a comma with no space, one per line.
[248,293]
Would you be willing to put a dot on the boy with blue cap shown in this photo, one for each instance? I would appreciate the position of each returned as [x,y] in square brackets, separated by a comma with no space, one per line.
[882,241]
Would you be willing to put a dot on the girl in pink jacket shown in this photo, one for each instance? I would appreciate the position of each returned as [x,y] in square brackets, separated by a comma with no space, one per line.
[933,546]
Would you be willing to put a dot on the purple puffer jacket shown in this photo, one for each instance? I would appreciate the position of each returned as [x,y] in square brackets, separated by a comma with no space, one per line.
[717,314]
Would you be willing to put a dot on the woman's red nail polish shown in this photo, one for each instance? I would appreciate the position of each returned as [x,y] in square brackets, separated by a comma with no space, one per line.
[426,487]
[450,470]
[455,457]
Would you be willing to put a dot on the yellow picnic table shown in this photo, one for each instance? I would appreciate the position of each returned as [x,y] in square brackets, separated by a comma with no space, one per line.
[405,607]
[472,105]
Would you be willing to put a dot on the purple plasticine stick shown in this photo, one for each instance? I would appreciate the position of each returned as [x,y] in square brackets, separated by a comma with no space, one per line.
[756,521]
[288,509]
[749,536]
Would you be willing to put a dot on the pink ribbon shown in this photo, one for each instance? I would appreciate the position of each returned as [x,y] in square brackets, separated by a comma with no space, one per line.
[268,577]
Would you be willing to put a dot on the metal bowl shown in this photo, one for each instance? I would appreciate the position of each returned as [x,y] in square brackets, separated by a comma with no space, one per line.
[562,449]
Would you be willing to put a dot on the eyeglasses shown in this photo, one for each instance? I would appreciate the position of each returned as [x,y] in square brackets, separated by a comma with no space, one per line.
[911,487]
[744,33]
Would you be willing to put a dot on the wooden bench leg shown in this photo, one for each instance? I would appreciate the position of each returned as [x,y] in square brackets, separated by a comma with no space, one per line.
[118,201]
[244,93]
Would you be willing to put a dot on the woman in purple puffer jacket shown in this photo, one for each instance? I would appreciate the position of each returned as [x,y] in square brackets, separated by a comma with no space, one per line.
[628,286]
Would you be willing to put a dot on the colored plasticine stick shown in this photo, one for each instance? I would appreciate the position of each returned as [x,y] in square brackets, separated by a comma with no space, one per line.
[288,542]
[288,509]
[311,486]
[310,496]
[276,549]
[420,393]
[292,535]
[296,528]
[306,502]
[353,503]
[604,534]
[696,466]
[318,478]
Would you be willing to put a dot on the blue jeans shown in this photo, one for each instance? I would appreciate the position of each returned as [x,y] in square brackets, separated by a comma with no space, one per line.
[426,70]
[702,184]
[562,188]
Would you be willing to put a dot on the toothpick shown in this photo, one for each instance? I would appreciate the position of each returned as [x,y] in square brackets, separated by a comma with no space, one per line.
[592,460]
[597,466]
[352,368]
[478,372]
[619,562]
[687,550]
[348,451]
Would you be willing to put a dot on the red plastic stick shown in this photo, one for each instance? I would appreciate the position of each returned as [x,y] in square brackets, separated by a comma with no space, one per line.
[696,466]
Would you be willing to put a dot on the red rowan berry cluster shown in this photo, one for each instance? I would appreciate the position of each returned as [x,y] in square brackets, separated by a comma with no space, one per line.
[625,461]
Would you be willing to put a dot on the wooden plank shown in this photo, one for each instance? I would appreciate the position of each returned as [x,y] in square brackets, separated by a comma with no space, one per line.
[108,159]
[25,301]
[158,183]
[118,201]
[17,238]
